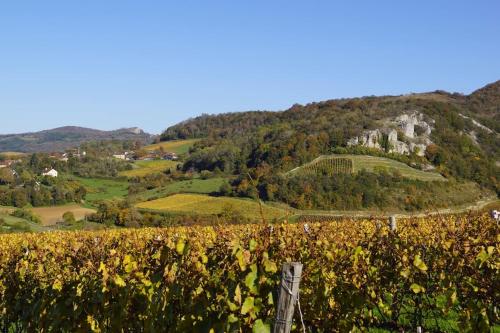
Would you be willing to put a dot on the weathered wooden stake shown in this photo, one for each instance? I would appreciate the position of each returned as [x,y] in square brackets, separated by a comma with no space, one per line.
[289,290]
[393,225]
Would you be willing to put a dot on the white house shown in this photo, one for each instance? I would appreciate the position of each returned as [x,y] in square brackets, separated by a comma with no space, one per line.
[50,173]
[123,156]
[120,156]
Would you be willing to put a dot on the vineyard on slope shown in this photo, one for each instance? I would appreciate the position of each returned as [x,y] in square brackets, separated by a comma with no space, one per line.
[329,166]
[435,272]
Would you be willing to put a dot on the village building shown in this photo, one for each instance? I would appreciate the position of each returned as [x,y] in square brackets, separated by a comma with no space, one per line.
[50,173]
[75,152]
[6,163]
[126,156]
[120,156]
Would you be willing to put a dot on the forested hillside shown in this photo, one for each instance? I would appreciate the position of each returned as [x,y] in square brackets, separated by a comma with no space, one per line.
[485,105]
[461,140]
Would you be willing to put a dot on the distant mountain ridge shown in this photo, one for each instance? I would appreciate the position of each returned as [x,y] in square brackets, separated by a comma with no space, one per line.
[61,138]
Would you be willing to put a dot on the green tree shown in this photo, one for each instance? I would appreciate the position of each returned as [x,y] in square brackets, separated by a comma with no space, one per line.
[6,176]
[69,218]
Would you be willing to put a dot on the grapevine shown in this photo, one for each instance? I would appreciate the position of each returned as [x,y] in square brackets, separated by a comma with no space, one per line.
[441,273]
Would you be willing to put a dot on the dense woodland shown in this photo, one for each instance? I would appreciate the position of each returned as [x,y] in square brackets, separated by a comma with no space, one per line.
[363,190]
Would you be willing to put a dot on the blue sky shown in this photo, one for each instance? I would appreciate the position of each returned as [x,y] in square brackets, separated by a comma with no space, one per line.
[111,64]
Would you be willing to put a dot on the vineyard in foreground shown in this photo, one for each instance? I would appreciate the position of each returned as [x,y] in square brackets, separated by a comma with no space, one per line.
[439,273]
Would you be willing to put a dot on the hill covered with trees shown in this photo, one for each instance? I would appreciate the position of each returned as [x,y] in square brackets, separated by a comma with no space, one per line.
[453,134]
[62,138]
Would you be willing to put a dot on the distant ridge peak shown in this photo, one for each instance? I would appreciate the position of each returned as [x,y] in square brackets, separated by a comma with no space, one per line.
[134,130]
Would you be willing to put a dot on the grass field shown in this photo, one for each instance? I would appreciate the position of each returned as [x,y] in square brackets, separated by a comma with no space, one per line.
[207,205]
[143,168]
[52,215]
[103,189]
[11,154]
[374,163]
[6,209]
[177,146]
[200,186]
[15,224]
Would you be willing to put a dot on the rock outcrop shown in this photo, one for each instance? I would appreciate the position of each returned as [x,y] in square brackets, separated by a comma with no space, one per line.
[407,123]
[386,138]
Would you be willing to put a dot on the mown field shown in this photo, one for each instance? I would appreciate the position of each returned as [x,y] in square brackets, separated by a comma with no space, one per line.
[207,205]
[143,168]
[13,224]
[196,185]
[53,214]
[373,164]
[6,209]
[177,146]
[438,273]
[102,189]
[11,155]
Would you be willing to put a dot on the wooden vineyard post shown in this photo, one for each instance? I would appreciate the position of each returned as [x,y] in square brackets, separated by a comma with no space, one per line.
[393,225]
[288,295]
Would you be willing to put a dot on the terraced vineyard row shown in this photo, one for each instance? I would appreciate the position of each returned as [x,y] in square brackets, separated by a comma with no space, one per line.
[438,273]
[330,166]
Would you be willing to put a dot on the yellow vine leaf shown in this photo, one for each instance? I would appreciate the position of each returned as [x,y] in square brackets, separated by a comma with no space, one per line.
[417,262]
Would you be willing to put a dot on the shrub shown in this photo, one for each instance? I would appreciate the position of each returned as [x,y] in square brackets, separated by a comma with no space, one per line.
[27,215]
[69,218]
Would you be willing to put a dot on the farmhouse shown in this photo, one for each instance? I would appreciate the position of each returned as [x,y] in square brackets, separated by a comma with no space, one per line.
[75,152]
[6,163]
[50,173]
[120,156]
[123,156]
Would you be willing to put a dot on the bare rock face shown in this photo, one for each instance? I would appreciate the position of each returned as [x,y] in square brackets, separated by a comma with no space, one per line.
[477,124]
[407,123]
[371,139]
[418,149]
[392,137]
[400,148]
[415,142]
[353,141]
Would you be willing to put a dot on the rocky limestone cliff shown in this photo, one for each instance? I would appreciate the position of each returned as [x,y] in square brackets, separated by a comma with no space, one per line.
[386,138]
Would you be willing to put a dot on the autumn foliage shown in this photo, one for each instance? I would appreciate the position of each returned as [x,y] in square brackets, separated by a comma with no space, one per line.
[441,273]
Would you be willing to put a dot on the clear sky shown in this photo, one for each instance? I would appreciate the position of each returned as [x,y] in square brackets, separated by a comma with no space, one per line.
[109,64]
